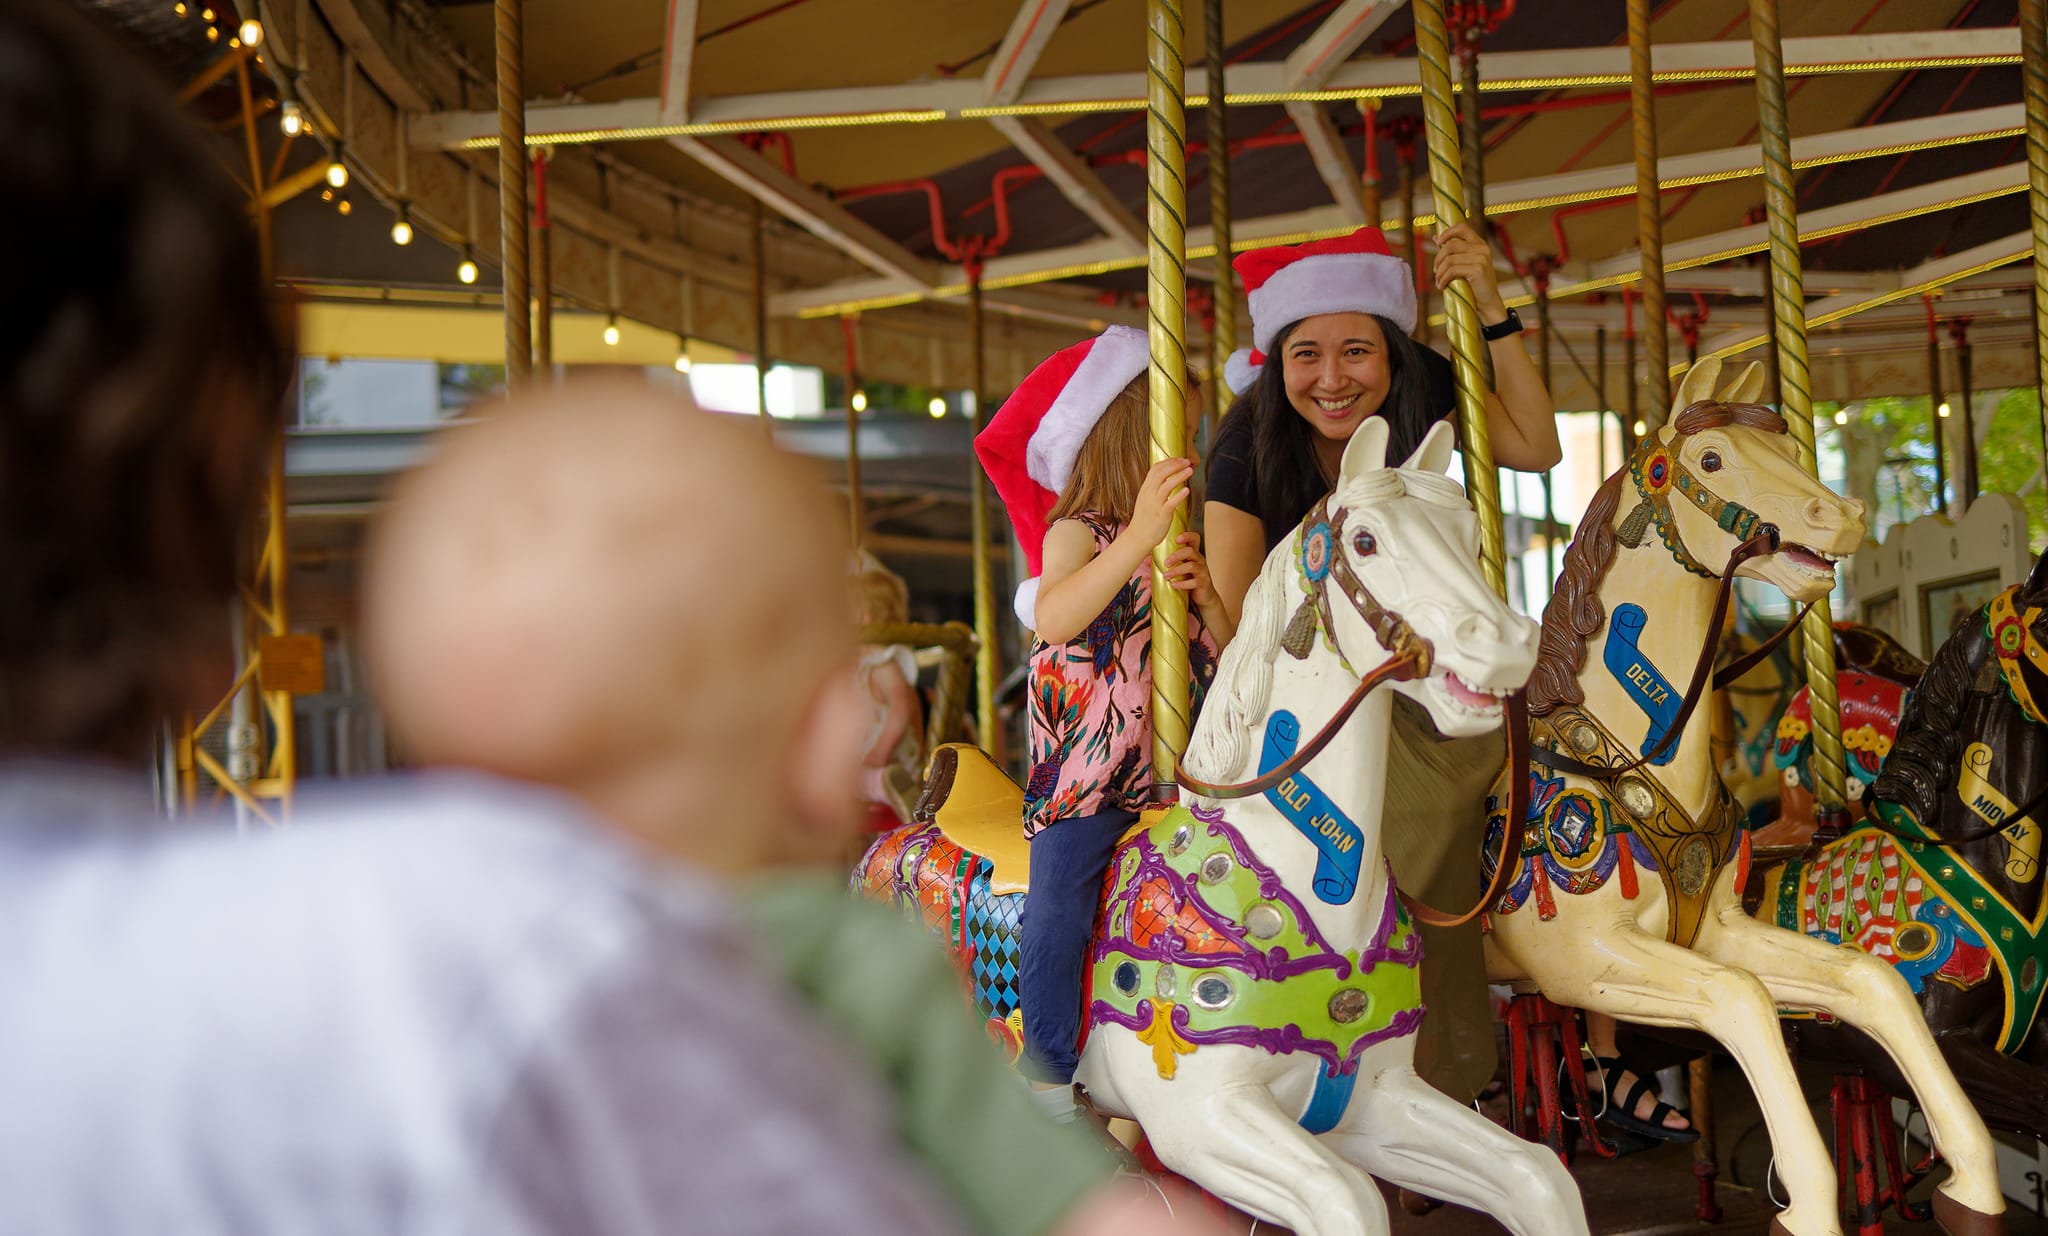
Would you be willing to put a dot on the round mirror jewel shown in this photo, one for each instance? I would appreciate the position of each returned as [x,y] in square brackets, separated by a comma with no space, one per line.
[1126,978]
[1584,739]
[1263,920]
[1636,797]
[1212,991]
[1182,836]
[1348,1005]
[1216,869]
[1162,983]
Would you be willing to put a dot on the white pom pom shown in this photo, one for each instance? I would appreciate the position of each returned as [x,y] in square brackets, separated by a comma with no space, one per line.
[1026,603]
[1238,371]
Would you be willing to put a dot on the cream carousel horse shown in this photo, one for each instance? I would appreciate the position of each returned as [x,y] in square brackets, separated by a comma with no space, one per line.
[1627,897]
[1254,998]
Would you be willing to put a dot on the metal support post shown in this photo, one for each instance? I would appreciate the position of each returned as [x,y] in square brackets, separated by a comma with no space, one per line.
[1166,326]
[1649,210]
[512,190]
[1223,334]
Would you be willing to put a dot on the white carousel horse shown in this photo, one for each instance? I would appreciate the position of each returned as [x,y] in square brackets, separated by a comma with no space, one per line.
[1671,946]
[1254,994]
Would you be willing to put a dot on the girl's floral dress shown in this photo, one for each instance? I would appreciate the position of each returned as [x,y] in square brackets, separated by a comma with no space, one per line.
[1091,729]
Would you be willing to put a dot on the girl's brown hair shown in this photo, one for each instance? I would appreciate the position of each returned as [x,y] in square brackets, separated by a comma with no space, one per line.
[1112,463]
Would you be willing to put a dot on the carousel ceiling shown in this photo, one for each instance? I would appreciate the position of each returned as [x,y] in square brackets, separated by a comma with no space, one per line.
[878,136]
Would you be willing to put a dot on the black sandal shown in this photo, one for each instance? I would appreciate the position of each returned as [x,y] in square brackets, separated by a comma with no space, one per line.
[1620,1112]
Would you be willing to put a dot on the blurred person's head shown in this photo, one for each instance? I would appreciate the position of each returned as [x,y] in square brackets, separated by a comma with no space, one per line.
[141,384]
[599,588]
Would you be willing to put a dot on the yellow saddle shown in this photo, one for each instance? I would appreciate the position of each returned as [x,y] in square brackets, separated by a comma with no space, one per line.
[978,808]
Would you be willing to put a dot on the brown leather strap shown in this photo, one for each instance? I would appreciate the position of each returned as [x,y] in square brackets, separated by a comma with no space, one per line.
[1764,542]
[1727,675]
[1395,668]
[1518,809]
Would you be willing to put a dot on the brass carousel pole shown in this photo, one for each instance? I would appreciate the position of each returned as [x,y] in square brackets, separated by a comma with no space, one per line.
[759,253]
[856,401]
[1540,268]
[543,270]
[1649,211]
[512,191]
[1223,335]
[2034,62]
[1405,130]
[1600,402]
[1935,402]
[1788,312]
[1966,401]
[1166,275]
[1468,351]
[977,512]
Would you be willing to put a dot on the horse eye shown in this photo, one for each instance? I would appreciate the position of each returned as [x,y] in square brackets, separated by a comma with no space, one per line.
[1710,462]
[1363,545]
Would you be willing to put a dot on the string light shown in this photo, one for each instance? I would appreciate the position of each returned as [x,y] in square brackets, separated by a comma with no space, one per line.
[938,407]
[859,402]
[326,195]
[337,173]
[611,331]
[212,34]
[179,8]
[291,118]
[251,32]
[1942,411]
[467,271]
[682,362]
[401,228]
[206,14]
[1841,416]
[344,206]
[1641,429]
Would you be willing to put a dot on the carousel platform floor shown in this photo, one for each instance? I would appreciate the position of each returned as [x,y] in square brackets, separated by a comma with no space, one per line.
[1651,1193]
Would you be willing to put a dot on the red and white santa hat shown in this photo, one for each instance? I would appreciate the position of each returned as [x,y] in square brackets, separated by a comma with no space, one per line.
[1345,274]
[1029,446]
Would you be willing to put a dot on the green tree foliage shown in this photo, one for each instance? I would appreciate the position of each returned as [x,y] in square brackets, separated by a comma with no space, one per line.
[1899,429]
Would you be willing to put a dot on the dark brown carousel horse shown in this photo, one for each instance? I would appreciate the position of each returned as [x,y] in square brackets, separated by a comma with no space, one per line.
[1944,879]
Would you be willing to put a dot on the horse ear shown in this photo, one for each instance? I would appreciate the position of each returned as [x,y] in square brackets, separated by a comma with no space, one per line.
[1367,449]
[1698,386]
[1434,455]
[1748,386]
[2036,587]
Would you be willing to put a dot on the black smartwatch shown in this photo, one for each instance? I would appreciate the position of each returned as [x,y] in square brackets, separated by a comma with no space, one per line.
[1510,325]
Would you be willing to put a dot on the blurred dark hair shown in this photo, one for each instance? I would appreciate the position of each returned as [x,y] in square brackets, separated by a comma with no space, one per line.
[1283,458]
[142,375]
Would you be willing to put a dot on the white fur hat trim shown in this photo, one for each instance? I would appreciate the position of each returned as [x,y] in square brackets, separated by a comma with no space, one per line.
[1118,355]
[1332,283]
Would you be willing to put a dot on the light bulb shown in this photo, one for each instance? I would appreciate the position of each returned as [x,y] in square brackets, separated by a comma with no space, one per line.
[206,14]
[337,173]
[234,42]
[212,34]
[401,231]
[251,32]
[1841,416]
[611,331]
[291,118]
[467,271]
[179,8]
[682,362]
[1641,429]
[937,407]
[344,206]
[326,195]
[860,401]
[1942,411]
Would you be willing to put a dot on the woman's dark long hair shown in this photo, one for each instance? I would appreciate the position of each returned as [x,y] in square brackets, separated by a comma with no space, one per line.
[1283,458]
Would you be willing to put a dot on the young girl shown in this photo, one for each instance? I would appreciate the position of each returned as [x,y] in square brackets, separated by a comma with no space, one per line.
[1067,453]
[892,752]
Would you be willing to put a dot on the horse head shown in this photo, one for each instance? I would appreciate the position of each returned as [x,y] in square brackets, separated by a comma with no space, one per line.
[1407,536]
[1724,471]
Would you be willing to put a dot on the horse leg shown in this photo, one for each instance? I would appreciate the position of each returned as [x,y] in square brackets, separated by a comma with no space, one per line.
[1855,987]
[1622,970]
[1239,1145]
[1409,1133]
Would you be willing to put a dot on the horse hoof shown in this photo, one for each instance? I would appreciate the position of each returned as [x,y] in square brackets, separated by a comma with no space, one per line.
[1418,1203]
[1956,1219]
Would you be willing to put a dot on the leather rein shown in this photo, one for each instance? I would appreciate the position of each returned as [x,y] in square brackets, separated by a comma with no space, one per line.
[1412,656]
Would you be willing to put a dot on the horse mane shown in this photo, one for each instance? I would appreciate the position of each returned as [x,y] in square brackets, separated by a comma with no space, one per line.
[1574,612]
[1244,676]
[1917,772]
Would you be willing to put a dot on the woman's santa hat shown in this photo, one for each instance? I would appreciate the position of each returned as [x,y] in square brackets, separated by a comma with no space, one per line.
[1345,274]
[1030,444]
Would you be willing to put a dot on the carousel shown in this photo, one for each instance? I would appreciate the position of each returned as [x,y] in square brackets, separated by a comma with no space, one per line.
[1729,675]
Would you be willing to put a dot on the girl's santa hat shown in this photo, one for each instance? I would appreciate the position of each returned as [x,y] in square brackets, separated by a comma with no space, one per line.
[1029,446]
[1345,274]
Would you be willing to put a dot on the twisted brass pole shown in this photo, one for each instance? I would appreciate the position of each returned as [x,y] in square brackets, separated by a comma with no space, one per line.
[1788,313]
[1471,134]
[512,191]
[1166,275]
[1223,335]
[1468,350]
[2034,62]
[1649,211]
[978,525]
[758,252]
[1934,402]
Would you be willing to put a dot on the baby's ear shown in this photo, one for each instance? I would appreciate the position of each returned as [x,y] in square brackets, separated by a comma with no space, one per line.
[824,768]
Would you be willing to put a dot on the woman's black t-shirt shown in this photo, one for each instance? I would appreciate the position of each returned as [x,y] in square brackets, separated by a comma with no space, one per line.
[1233,482]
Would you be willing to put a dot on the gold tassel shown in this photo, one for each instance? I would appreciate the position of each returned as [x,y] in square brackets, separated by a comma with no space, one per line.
[1637,525]
[1300,636]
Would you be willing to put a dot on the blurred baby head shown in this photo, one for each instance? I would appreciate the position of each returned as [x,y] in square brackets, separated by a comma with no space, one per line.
[600,588]
[879,594]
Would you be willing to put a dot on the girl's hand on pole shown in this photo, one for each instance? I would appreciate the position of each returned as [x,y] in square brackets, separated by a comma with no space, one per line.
[1462,254]
[1165,490]
[1188,571]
